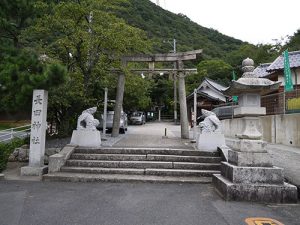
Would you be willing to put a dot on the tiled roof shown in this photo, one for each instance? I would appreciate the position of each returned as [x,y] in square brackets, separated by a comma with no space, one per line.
[278,64]
[213,86]
[216,85]
[261,70]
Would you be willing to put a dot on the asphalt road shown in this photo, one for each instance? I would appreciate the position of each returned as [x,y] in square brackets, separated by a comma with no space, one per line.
[45,203]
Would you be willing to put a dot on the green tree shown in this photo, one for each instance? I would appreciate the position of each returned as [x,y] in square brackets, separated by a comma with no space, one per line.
[21,71]
[15,16]
[137,93]
[87,38]
[294,42]
[162,92]
[83,36]
[215,69]
[259,53]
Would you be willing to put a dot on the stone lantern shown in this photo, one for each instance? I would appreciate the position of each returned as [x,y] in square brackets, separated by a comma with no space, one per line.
[249,174]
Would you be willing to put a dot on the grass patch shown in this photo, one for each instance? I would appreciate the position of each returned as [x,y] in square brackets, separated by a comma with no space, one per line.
[7,148]
[11,124]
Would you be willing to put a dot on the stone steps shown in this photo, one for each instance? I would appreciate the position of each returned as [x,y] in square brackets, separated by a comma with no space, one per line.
[147,171]
[139,164]
[145,151]
[118,178]
[148,157]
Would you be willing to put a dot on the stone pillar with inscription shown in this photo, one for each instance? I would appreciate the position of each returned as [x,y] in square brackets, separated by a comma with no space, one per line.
[36,165]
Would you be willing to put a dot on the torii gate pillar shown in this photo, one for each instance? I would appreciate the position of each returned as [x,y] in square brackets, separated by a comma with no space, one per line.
[119,102]
[182,101]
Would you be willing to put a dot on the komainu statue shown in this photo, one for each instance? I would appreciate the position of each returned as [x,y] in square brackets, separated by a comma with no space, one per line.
[86,120]
[211,123]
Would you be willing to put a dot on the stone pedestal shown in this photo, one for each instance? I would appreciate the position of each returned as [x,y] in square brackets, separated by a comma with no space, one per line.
[257,184]
[249,174]
[210,142]
[36,165]
[267,193]
[86,138]
[34,171]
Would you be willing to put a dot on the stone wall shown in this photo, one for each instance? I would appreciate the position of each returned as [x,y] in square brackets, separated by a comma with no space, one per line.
[22,154]
[279,129]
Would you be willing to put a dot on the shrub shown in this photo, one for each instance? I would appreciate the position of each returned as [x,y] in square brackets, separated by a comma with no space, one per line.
[7,148]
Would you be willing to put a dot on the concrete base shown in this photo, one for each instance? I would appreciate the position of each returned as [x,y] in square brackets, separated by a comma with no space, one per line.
[86,138]
[266,193]
[250,175]
[250,111]
[58,160]
[251,159]
[246,145]
[1,176]
[210,142]
[33,171]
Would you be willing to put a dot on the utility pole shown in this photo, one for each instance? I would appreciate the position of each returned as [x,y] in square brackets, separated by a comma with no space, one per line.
[195,115]
[174,45]
[105,111]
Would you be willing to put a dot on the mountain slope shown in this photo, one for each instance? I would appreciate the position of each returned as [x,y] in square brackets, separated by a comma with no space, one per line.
[164,25]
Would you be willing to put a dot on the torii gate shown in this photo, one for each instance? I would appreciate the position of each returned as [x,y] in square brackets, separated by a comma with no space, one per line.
[169,57]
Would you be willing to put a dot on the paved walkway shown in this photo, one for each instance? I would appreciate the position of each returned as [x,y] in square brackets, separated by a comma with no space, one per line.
[153,135]
[288,158]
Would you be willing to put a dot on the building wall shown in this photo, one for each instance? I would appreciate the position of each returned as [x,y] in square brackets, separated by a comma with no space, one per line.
[279,129]
[296,79]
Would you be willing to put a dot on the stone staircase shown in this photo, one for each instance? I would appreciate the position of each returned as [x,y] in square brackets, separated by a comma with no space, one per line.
[138,165]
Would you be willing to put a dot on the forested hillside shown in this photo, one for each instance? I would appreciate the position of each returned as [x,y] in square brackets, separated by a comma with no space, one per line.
[162,25]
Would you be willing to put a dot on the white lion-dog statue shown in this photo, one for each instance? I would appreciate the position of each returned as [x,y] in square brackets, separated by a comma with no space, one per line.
[211,123]
[210,136]
[86,134]
[86,120]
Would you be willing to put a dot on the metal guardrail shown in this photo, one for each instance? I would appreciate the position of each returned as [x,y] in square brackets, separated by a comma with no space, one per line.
[11,133]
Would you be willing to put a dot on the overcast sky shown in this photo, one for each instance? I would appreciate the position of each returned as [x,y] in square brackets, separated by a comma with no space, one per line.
[255,21]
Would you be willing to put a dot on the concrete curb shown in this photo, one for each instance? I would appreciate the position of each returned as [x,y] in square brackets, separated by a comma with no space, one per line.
[58,160]
[1,176]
